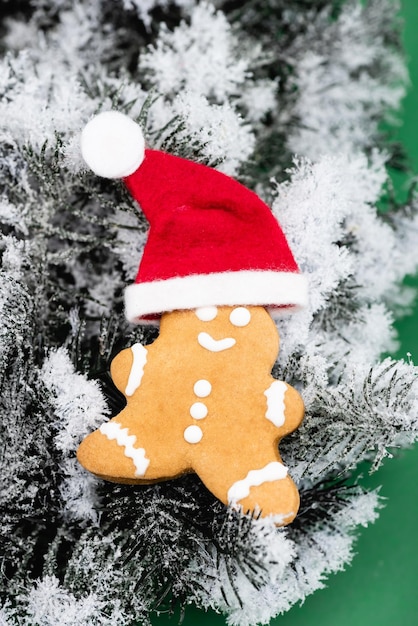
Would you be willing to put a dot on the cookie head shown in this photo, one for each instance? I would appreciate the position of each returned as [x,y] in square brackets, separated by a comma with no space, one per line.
[238,331]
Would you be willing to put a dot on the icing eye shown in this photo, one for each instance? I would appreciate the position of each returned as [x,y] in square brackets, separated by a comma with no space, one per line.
[207,313]
[240,316]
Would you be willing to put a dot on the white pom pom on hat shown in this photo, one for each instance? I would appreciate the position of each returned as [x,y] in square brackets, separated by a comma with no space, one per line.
[112,145]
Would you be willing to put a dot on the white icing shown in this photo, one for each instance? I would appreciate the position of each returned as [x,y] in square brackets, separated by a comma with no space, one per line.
[114,430]
[215,345]
[198,410]
[193,434]
[207,313]
[139,353]
[271,472]
[240,316]
[202,388]
[275,402]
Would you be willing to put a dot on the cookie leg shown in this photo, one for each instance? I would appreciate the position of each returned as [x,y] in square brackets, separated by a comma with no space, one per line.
[261,487]
[121,452]
[266,490]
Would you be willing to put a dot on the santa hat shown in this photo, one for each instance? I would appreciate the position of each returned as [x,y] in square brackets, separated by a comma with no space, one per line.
[211,241]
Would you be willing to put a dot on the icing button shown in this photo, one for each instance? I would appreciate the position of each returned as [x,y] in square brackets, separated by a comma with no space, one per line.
[193,434]
[202,388]
[198,410]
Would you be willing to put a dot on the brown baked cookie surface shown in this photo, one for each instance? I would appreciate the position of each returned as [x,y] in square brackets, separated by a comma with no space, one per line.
[201,399]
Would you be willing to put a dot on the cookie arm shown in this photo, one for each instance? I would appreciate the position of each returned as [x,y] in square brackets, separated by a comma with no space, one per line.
[127,368]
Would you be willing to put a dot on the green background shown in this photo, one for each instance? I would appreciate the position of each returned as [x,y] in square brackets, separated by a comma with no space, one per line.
[380,587]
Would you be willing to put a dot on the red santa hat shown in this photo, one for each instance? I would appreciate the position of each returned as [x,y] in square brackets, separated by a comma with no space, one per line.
[211,241]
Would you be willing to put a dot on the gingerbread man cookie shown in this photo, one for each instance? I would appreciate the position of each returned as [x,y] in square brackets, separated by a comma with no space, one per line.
[201,399]
[215,267]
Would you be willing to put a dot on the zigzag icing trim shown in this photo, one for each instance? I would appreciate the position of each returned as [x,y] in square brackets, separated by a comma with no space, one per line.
[139,353]
[241,489]
[114,431]
[275,402]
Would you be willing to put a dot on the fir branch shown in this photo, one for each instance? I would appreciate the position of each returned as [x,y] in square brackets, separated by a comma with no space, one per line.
[240,87]
[359,419]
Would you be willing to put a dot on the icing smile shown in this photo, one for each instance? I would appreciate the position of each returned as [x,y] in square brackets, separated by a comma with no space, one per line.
[215,345]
